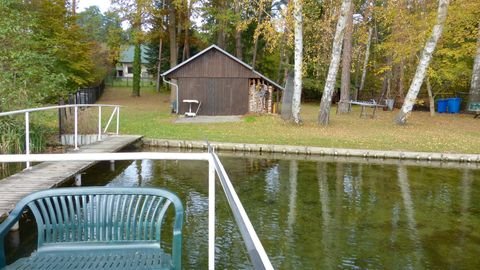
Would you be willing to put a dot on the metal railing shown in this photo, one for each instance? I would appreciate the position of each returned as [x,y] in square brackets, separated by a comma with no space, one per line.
[256,252]
[26,112]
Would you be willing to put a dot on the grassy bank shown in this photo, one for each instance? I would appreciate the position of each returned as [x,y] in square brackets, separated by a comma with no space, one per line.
[149,115]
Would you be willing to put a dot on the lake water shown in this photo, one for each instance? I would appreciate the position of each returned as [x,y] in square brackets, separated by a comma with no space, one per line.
[323,214]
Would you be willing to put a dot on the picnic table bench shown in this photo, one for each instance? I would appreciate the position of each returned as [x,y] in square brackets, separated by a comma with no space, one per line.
[364,104]
[98,228]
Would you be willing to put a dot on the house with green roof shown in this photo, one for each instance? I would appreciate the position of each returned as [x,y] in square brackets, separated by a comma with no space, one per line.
[124,68]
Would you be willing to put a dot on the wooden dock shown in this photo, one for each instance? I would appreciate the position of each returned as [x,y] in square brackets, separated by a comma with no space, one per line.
[50,174]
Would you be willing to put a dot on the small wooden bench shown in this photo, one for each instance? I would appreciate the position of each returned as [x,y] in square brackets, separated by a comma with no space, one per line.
[99,228]
[474,107]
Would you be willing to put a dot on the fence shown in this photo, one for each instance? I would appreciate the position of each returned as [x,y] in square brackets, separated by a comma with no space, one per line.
[128,81]
[88,95]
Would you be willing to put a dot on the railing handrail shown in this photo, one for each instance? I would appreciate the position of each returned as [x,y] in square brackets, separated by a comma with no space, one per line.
[255,249]
[56,107]
[27,112]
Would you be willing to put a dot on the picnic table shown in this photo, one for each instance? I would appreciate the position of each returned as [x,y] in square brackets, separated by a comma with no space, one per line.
[364,104]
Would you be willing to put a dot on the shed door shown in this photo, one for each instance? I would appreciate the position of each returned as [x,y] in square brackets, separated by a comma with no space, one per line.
[219,96]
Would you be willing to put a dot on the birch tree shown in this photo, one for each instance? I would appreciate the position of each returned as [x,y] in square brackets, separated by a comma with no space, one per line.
[298,59]
[365,61]
[474,94]
[423,64]
[324,114]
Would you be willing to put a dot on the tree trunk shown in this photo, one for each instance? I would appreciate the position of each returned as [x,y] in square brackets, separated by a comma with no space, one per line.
[474,94]
[401,76]
[255,42]
[365,61]
[423,64]
[74,7]
[186,43]
[172,35]
[137,69]
[297,81]
[344,107]
[238,44]
[431,100]
[238,35]
[324,114]
[172,25]
[221,25]
[159,72]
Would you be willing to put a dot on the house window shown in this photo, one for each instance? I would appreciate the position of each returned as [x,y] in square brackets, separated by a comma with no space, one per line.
[130,70]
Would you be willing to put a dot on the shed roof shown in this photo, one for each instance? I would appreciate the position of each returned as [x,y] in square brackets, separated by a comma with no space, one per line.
[126,56]
[215,47]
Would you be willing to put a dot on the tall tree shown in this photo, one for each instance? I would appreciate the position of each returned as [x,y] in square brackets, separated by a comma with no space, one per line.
[474,94]
[298,61]
[365,61]
[137,55]
[136,13]
[172,34]
[238,33]
[344,107]
[423,63]
[324,114]
[221,23]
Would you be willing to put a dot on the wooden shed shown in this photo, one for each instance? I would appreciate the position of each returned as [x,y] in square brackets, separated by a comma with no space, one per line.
[223,84]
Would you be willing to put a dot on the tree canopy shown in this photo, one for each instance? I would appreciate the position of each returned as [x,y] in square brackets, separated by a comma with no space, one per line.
[49,51]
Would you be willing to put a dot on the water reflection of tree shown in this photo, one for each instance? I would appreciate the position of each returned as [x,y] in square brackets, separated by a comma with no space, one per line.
[410,214]
[327,236]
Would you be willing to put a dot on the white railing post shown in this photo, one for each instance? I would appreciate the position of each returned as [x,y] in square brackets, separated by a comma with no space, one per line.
[211,215]
[27,137]
[118,119]
[76,128]
[100,123]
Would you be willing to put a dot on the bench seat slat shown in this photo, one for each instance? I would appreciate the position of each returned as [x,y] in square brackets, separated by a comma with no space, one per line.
[95,260]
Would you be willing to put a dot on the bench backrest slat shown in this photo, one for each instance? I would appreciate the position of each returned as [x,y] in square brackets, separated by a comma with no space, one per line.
[94,216]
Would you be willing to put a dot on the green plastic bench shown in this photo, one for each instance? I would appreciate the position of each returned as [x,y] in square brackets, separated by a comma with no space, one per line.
[474,107]
[99,228]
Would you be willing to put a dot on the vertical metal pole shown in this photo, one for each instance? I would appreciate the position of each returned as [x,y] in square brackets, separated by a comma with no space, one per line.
[118,119]
[211,215]
[27,137]
[100,123]
[76,128]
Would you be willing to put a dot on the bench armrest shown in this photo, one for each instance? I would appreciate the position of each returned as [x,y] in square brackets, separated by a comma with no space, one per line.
[7,225]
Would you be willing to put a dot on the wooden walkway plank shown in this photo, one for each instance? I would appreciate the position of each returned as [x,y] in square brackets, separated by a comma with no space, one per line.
[46,175]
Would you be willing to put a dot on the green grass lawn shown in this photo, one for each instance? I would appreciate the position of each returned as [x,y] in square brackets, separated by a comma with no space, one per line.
[149,115]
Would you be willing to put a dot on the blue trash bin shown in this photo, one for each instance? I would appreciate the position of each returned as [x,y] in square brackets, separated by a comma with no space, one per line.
[453,105]
[442,105]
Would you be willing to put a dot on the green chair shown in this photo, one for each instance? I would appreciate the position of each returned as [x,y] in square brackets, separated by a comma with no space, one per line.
[99,228]
[474,107]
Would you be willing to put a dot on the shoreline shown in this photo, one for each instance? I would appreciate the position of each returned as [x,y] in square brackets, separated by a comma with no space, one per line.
[315,151]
